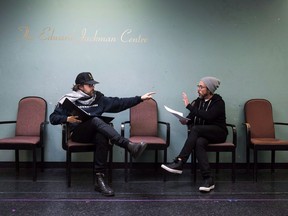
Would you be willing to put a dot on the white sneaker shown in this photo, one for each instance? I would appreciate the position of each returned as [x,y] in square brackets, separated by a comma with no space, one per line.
[208,185]
[176,167]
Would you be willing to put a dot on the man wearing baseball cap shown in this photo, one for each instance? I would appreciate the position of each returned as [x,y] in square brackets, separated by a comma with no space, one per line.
[96,130]
[207,125]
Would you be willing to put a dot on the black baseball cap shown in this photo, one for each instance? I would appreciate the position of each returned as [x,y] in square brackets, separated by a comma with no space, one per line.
[85,78]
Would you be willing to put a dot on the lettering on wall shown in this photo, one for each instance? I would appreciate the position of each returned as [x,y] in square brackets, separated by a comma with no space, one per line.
[127,36]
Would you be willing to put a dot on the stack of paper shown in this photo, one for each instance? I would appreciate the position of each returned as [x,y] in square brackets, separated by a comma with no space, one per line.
[179,115]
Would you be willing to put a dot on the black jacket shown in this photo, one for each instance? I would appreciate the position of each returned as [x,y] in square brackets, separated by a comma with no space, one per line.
[100,105]
[211,112]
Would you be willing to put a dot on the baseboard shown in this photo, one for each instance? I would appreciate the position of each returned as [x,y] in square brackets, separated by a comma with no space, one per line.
[121,165]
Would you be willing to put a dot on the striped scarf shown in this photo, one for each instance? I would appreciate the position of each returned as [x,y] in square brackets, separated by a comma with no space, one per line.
[78,96]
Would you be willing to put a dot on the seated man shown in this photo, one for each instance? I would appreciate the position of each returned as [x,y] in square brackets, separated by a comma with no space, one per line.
[208,125]
[95,130]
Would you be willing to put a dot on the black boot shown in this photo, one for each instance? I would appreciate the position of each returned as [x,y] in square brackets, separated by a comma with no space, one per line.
[136,149]
[101,187]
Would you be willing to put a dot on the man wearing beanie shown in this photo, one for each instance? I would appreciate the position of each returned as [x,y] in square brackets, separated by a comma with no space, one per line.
[207,125]
[94,129]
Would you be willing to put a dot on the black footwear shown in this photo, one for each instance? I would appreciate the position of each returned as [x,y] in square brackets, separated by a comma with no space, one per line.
[101,187]
[136,149]
[175,167]
[207,185]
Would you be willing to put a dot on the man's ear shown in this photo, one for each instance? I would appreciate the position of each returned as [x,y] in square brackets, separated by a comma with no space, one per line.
[81,87]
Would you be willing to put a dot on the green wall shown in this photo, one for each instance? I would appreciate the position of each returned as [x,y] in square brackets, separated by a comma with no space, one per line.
[133,47]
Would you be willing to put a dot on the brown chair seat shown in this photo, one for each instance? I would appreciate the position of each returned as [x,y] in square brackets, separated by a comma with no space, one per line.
[20,140]
[148,139]
[271,142]
[223,146]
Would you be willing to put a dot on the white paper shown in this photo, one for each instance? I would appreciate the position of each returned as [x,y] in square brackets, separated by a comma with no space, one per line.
[179,115]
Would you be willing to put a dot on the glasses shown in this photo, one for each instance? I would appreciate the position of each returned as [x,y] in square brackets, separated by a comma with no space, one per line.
[90,85]
[201,87]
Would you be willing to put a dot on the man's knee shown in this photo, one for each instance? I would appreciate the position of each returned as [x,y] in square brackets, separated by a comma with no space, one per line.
[97,121]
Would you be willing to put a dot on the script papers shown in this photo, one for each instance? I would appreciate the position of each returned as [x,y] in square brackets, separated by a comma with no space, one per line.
[82,114]
[179,115]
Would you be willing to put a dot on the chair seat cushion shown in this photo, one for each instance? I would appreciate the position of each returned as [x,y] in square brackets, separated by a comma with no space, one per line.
[227,146]
[147,139]
[80,147]
[30,140]
[268,141]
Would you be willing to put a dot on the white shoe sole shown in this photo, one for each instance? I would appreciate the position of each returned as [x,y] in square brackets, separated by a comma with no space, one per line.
[171,170]
[206,189]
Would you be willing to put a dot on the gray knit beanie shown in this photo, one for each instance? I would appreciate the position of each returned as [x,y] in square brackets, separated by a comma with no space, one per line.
[212,83]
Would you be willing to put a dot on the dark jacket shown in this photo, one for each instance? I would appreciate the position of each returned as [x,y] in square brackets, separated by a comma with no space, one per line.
[100,105]
[211,112]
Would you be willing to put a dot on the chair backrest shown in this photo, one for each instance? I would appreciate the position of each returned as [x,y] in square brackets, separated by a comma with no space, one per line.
[144,118]
[31,113]
[259,114]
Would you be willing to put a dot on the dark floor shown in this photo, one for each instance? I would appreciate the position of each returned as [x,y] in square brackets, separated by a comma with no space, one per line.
[144,194]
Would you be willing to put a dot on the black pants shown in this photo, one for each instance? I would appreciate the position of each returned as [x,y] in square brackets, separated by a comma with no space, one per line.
[98,132]
[198,139]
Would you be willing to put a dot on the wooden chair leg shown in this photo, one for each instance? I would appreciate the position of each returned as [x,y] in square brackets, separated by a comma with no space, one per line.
[156,160]
[93,168]
[110,164]
[192,163]
[68,168]
[233,166]
[165,161]
[34,165]
[17,160]
[130,164]
[273,161]
[255,171]
[248,158]
[217,162]
[42,159]
[126,165]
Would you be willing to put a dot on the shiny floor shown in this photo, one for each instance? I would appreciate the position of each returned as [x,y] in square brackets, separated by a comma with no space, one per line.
[144,194]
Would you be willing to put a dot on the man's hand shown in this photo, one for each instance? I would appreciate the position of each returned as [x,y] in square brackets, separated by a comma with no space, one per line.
[185,98]
[183,121]
[147,96]
[73,119]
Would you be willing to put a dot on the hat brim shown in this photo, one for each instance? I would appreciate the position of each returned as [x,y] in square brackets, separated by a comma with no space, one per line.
[91,82]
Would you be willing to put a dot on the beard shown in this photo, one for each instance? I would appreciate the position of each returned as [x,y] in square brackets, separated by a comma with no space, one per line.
[202,96]
[90,93]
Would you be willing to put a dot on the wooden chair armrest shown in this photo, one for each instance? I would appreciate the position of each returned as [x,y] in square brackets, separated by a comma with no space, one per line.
[281,123]
[234,132]
[7,122]
[167,131]
[42,131]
